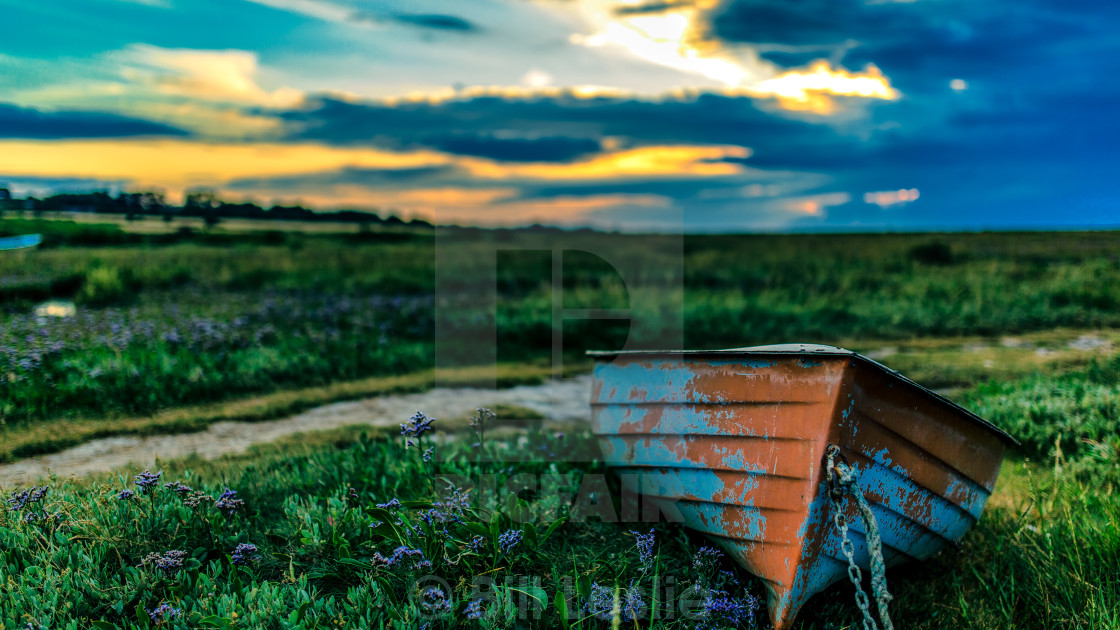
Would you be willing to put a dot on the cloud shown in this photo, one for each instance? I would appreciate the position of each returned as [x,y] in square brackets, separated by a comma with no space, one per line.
[216,94]
[436,21]
[629,121]
[743,113]
[666,162]
[650,7]
[350,176]
[378,12]
[176,164]
[319,9]
[227,76]
[814,205]
[888,198]
[806,22]
[673,34]
[922,46]
[650,178]
[507,149]
[22,122]
[813,89]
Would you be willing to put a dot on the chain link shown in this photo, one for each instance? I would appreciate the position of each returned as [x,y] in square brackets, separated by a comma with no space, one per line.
[841,479]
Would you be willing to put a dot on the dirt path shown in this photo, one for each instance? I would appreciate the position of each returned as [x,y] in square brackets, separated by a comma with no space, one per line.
[556,400]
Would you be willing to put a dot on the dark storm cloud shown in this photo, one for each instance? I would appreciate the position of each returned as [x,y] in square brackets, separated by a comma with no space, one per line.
[563,124]
[1037,114]
[806,22]
[679,188]
[22,122]
[782,149]
[550,149]
[919,44]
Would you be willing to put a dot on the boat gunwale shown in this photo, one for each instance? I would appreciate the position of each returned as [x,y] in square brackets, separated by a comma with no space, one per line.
[814,350]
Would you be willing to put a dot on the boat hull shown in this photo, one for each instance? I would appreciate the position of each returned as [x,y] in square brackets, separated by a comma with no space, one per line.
[732,444]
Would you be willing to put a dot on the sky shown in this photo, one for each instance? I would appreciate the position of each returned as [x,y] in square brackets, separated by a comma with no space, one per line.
[635,115]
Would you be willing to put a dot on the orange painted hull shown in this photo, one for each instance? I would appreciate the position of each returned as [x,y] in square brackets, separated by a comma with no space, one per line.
[731,443]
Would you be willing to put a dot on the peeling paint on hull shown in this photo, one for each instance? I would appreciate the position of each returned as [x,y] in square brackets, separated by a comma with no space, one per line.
[732,442]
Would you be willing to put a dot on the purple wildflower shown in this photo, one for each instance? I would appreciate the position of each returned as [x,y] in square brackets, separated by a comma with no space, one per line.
[405,557]
[509,539]
[600,603]
[197,498]
[392,503]
[477,543]
[163,613]
[633,606]
[244,554]
[474,609]
[179,488]
[450,508]
[146,481]
[455,500]
[126,494]
[706,559]
[646,546]
[720,610]
[726,577]
[416,427]
[30,496]
[428,452]
[433,601]
[169,561]
[228,503]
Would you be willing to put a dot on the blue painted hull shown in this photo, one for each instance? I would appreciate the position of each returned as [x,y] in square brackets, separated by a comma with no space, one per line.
[20,242]
[731,444]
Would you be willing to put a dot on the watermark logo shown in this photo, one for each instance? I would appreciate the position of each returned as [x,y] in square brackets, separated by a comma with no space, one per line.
[525,598]
[507,297]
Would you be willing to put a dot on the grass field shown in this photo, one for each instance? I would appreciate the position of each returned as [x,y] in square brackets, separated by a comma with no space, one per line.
[1044,555]
[174,331]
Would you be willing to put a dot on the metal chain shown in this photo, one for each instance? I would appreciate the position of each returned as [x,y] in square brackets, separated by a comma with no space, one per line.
[841,478]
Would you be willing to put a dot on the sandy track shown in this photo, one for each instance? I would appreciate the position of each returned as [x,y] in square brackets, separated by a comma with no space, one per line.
[556,400]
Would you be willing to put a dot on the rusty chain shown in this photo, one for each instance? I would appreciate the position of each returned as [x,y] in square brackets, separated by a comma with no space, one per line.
[841,479]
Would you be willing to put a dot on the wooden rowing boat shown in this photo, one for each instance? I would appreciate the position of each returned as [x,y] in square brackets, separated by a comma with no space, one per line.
[732,444]
[22,241]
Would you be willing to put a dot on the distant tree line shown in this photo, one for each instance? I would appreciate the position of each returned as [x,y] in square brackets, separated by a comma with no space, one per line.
[198,204]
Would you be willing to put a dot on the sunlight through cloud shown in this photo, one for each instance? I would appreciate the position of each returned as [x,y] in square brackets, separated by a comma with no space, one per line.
[670,37]
[812,89]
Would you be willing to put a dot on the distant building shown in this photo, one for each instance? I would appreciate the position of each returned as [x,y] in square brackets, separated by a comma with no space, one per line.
[5,194]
